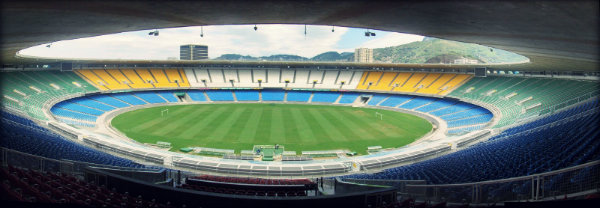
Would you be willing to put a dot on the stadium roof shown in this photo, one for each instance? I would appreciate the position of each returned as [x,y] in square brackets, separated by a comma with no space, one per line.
[555,35]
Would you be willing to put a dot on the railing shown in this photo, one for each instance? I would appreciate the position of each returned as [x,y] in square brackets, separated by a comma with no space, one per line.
[569,182]
[76,168]
[33,162]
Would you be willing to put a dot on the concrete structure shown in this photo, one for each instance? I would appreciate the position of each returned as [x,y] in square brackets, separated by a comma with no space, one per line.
[193,52]
[556,36]
[363,55]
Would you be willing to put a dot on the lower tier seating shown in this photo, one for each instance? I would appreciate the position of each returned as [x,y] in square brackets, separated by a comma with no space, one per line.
[25,185]
[25,136]
[555,142]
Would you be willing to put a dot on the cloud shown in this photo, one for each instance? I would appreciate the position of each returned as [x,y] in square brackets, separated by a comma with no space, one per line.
[240,39]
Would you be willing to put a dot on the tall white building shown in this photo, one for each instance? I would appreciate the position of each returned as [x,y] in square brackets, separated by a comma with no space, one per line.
[363,55]
[193,52]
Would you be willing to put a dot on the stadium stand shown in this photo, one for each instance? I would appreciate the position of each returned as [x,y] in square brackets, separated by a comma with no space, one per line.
[554,142]
[273,95]
[29,91]
[196,95]
[220,95]
[149,97]
[92,104]
[376,99]
[417,102]
[348,97]
[134,79]
[129,99]
[298,96]
[247,95]
[68,105]
[168,95]
[325,97]
[106,99]
[26,136]
[517,97]
[395,100]
[33,186]
[177,76]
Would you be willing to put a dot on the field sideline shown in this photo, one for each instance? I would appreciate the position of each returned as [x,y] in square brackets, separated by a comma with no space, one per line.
[297,127]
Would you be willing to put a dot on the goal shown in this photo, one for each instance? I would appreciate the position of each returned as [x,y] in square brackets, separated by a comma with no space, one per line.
[164,112]
[379,115]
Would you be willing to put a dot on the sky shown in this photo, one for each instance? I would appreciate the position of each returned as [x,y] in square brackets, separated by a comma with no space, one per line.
[226,39]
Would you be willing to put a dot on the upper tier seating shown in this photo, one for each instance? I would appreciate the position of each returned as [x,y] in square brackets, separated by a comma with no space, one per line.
[520,98]
[116,79]
[220,95]
[25,136]
[420,82]
[246,95]
[298,96]
[273,95]
[28,91]
[273,78]
[325,97]
[555,142]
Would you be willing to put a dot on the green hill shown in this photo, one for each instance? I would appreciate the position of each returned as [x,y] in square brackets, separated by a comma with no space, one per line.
[334,56]
[430,50]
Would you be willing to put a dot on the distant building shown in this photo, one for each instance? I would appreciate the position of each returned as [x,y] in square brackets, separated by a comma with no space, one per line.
[465,61]
[193,52]
[363,55]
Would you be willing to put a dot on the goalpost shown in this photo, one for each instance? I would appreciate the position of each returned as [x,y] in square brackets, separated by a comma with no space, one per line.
[379,115]
[163,112]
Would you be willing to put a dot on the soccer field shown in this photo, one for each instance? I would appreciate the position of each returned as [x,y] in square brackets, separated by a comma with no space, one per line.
[297,127]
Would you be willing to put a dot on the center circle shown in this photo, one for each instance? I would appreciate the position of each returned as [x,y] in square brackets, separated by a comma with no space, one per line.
[298,127]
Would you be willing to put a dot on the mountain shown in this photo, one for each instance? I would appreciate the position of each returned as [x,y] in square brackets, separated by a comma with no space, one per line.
[283,57]
[430,50]
[433,50]
[236,57]
[333,56]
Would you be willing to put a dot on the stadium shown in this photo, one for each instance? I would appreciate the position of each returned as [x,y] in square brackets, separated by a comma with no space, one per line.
[220,133]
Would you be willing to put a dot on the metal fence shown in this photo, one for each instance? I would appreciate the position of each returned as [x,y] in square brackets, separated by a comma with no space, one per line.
[569,182]
[33,162]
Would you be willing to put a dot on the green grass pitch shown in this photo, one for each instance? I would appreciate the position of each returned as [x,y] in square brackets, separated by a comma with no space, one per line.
[297,127]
